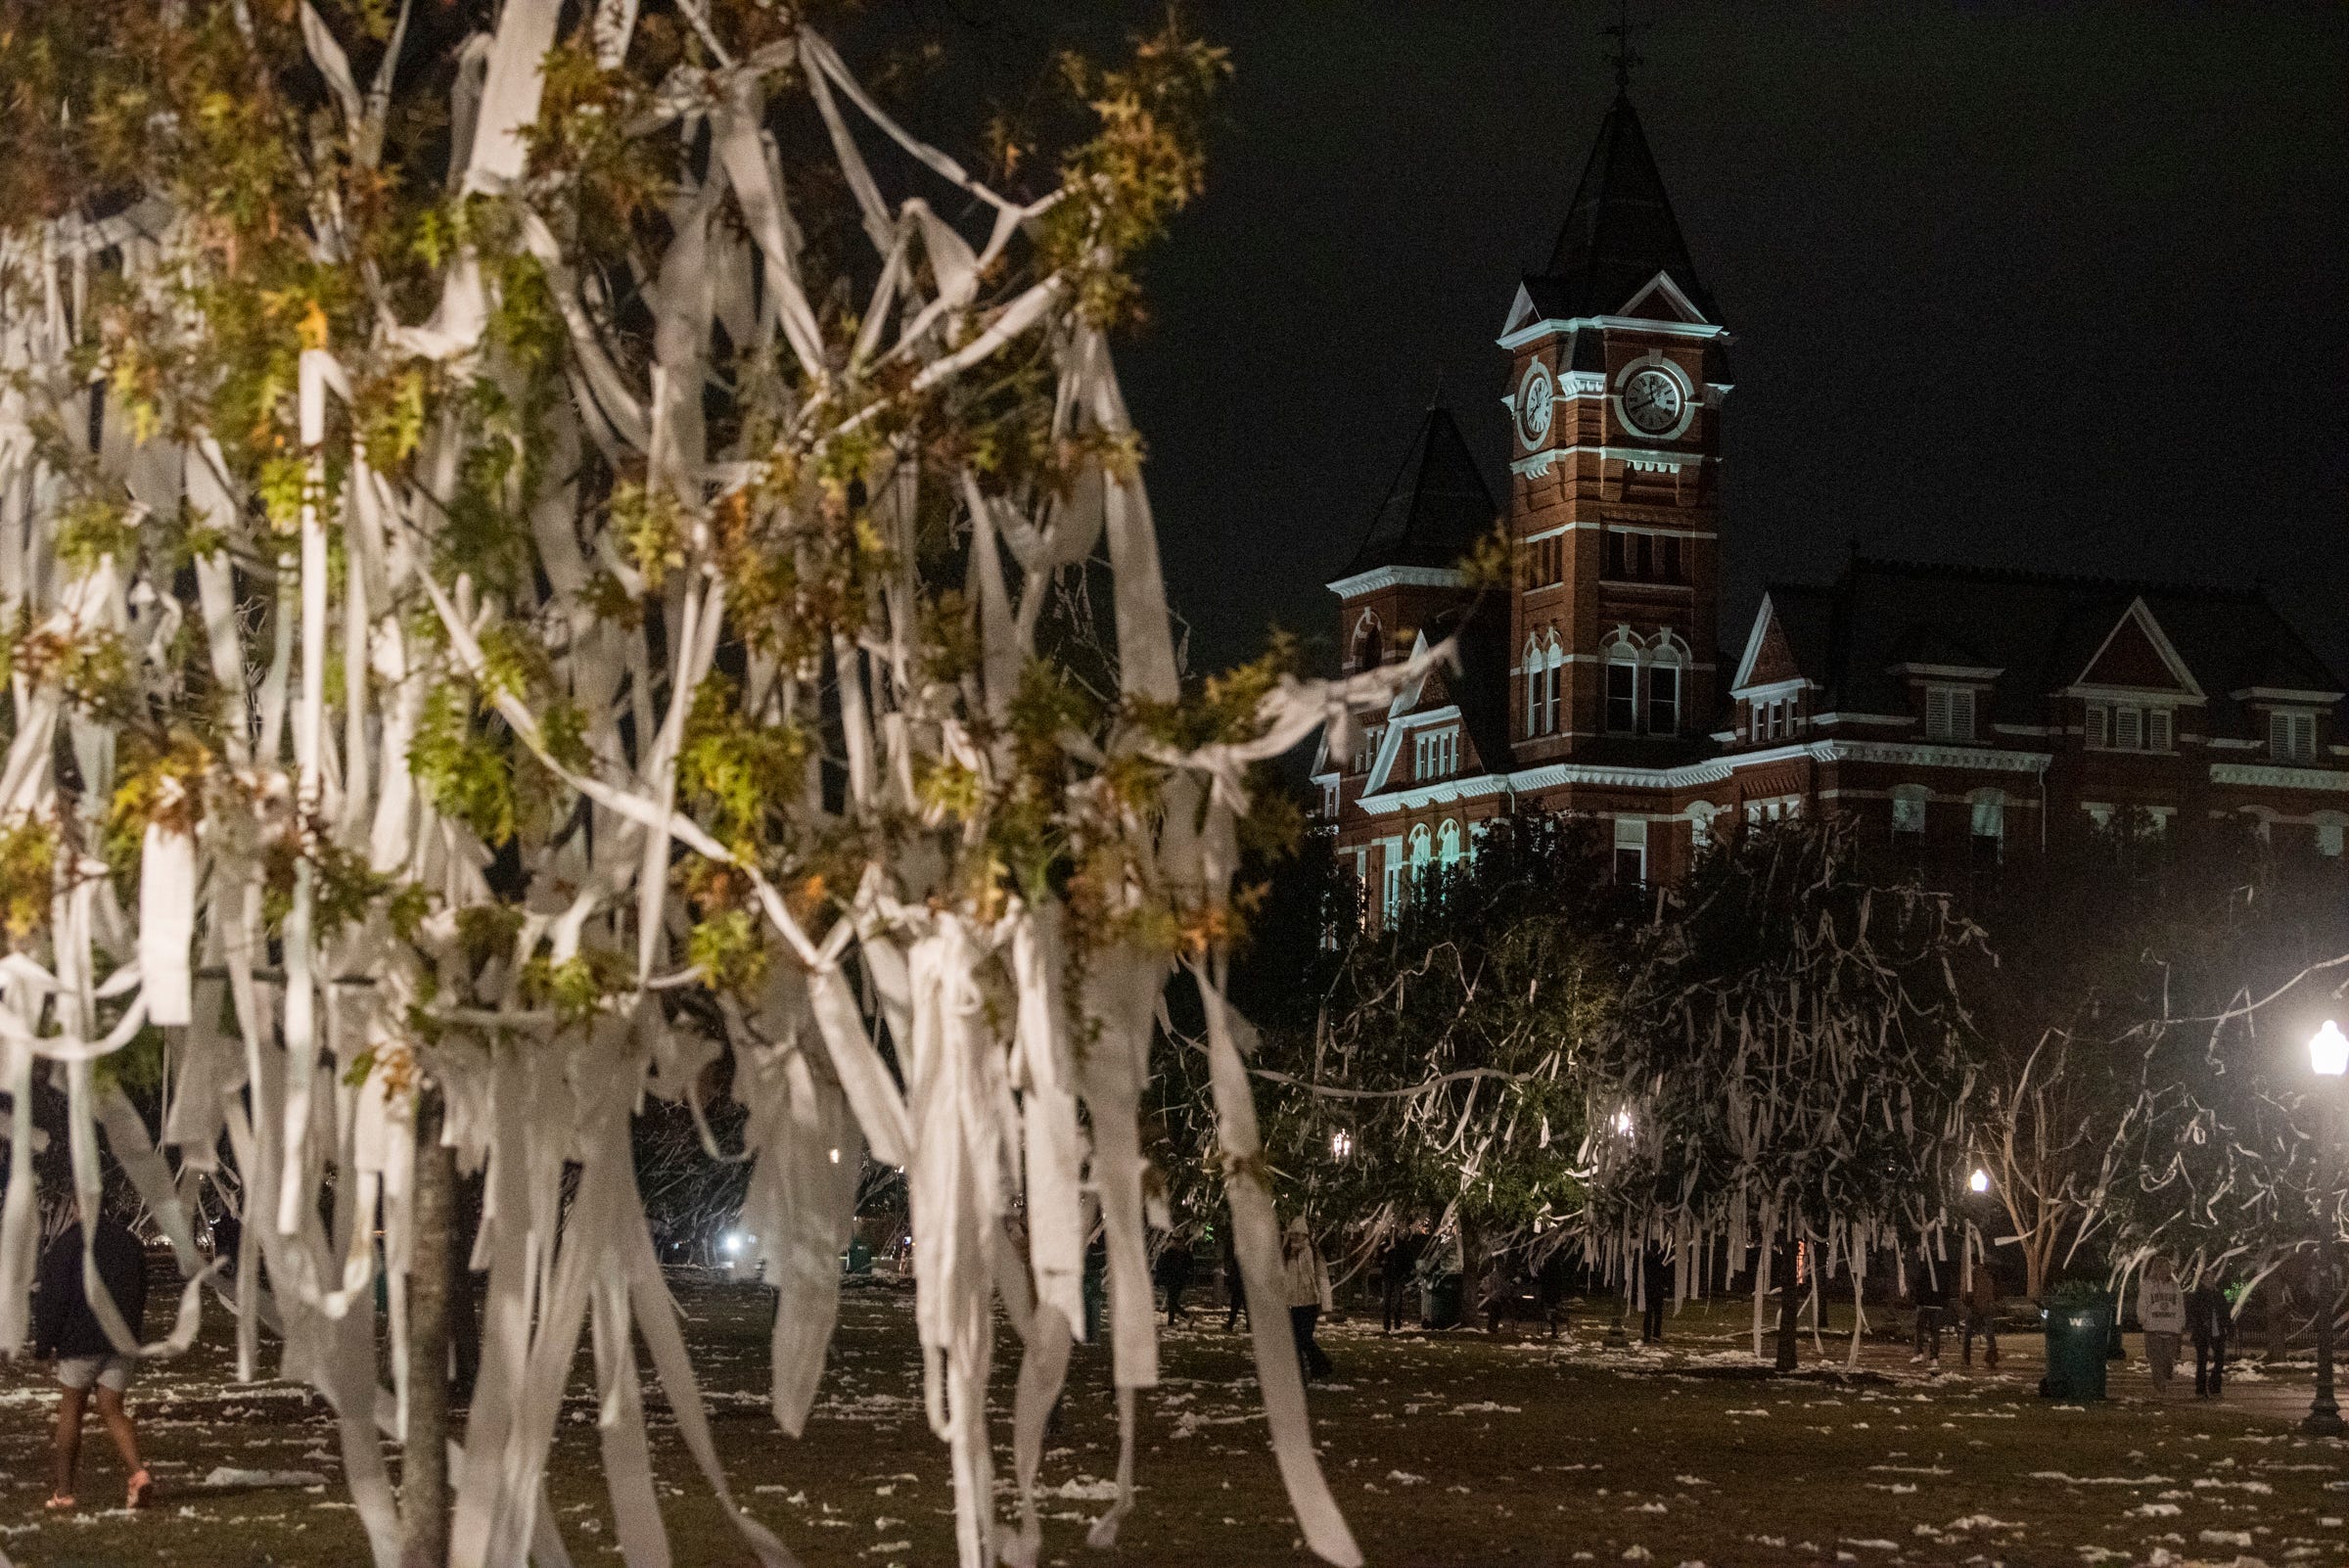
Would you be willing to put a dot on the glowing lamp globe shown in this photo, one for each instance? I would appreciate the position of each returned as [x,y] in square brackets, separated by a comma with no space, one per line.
[2328,1051]
[1979,1181]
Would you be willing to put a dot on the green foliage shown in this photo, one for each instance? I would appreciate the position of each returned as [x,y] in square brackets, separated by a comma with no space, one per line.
[737,773]
[578,988]
[1142,166]
[729,948]
[27,877]
[154,784]
[93,528]
[464,772]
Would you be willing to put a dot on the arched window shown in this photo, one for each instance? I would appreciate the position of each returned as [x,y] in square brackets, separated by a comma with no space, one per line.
[1623,686]
[1909,812]
[1665,665]
[1423,851]
[2332,827]
[1448,844]
[1368,649]
[1700,824]
[1553,658]
[1990,827]
[1532,688]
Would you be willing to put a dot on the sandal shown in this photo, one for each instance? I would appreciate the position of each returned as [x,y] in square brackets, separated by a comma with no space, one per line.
[140,1485]
[58,1499]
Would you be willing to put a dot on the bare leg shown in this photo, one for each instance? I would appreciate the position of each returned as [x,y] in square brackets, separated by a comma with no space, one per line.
[69,1403]
[119,1427]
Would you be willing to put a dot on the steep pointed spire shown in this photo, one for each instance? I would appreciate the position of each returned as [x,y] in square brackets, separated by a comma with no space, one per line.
[1619,233]
[1437,508]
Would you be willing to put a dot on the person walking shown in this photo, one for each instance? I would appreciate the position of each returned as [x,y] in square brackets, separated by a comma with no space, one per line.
[2161,1312]
[2208,1322]
[1549,1289]
[1981,1313]
[1397,1273]
[65,1327]
[1308,1279]
[1931,1300]
[1235,1287]
[1655,1290]
[1174,1273]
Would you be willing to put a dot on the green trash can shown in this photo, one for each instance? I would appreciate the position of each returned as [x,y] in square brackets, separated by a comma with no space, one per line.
[1439,1301]
[2078,1329]
[859,1257]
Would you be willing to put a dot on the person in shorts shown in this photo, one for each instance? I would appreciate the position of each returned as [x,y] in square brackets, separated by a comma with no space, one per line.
[88,1364]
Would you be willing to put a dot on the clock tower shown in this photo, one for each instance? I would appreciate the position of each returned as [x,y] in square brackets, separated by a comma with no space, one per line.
[1617,375]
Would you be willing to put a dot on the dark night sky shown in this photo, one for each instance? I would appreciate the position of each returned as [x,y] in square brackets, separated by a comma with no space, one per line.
[2026,283]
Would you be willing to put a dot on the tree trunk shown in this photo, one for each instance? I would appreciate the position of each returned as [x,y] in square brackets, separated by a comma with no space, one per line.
[431,1268]
[1788,1305]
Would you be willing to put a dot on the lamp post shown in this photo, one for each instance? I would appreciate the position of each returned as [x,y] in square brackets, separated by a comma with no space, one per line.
[2328,1056]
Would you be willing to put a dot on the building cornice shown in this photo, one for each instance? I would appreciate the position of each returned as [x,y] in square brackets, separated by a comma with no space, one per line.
[1443,791]
[1551,326]
[1648,458]
[2275,776]
[1396,576]
[2288,695]
[2138,696]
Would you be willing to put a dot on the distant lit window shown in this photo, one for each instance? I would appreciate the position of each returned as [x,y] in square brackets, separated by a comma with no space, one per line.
[2330,833]
[1908,809]
[1436,753]
[1447,844]
[1631,850]
[1990,827]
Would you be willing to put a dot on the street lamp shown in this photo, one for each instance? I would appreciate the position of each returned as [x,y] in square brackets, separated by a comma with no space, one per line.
[2328,1057]
[1979,1181]
[1340,1144]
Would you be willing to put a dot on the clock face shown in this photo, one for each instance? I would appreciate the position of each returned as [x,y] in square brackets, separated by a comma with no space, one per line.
[1653,401]
[1535,397]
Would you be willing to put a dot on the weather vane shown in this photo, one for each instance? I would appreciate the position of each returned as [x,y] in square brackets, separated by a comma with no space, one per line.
[1624,56]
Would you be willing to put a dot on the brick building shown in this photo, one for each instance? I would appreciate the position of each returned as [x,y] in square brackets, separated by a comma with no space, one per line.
[1959,711]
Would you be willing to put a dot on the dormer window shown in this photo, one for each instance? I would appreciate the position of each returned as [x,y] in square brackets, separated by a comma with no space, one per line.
[1950,713]
[2293,737]
[2129,728]
[1435,753]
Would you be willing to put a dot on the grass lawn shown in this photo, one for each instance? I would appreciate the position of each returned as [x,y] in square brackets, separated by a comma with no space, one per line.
[1450,1449]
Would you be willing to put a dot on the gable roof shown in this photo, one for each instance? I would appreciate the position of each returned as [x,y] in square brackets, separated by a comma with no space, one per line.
[1437,509]
[1619,233]
[2135,653]
[2042,633]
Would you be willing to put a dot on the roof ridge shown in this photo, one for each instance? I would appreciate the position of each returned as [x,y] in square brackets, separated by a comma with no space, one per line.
[2053,579]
